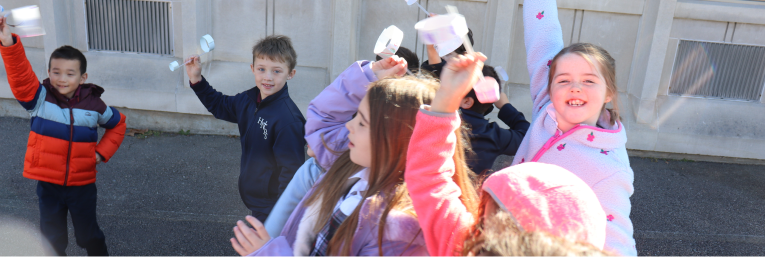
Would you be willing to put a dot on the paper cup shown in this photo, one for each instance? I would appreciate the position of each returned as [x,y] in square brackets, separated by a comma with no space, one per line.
[28,21]
[487,91]
[207,43]
[174,65]
[441,28]
[389,42]
[449,46]
[502,73]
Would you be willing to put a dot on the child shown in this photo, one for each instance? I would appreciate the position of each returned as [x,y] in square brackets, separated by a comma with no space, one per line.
[487,139]
[571,126]
[369,212]
[539,198]
[411,58]
[271,125]
[63,148]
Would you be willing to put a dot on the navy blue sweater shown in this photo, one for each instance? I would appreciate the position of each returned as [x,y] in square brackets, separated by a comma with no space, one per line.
[271,137]
[489,140]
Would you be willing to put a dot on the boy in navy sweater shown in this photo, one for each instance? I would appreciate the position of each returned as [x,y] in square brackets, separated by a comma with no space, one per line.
[487,139]
[270,124]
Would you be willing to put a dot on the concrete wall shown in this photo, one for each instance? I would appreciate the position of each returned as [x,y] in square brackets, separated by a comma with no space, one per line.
[642,35]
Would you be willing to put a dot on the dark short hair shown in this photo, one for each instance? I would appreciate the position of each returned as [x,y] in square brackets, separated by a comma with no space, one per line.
[276,48]
[69,53]
[479,107]
[461,49]
[412,61]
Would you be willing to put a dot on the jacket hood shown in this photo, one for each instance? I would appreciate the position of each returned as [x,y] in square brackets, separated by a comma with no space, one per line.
[549,198]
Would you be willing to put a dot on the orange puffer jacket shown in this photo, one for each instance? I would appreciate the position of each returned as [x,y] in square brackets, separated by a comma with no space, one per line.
[64,139]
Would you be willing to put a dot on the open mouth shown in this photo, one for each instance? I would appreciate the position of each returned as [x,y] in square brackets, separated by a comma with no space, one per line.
[576,102]
[267,86]
[350,144]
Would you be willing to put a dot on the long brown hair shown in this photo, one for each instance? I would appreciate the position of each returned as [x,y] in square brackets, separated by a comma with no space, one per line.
[393,106]
[605,64]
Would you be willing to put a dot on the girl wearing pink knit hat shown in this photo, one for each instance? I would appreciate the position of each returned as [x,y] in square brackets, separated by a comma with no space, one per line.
[550,210]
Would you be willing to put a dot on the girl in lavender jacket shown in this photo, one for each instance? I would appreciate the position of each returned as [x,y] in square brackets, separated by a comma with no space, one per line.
[571,127]
[369,212]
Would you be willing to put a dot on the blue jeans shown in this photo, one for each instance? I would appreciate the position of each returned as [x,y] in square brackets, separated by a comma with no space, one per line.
[55,202]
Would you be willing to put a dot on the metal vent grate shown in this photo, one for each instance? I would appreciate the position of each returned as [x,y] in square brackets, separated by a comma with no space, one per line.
[718,70]
[129,26]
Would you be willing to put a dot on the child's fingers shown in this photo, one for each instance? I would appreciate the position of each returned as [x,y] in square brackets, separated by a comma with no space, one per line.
[241,238]
[238,248]
[260,230]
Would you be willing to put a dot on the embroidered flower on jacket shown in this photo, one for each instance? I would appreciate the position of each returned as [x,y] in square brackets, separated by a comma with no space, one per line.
[522,160]
[610,217]
[541,15]
[561,147]
[591,136]
[549,62]
[604,152]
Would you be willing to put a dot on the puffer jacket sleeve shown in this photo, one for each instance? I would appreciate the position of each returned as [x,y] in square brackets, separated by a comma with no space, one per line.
[22,79]
[332,108]
[114,123]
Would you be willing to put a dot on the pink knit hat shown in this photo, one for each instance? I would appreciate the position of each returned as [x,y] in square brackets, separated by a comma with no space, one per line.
[549,198]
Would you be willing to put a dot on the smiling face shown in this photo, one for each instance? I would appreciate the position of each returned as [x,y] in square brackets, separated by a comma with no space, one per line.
[578,92]
[65,76]
[270,75]
[359,135]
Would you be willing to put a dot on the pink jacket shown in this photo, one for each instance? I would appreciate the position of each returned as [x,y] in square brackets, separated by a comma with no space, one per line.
[597,156]
[539,196]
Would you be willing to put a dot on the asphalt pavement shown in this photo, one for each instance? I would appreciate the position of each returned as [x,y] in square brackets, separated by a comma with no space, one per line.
[176,194]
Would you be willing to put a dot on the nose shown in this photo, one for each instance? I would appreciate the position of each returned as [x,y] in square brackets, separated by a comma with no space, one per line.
[348,126]
[576,88]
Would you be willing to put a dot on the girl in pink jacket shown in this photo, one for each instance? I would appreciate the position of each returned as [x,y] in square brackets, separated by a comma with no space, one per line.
[553,212]
[571,126]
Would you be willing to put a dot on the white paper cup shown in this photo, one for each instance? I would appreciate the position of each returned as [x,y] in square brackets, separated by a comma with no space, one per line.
[207,43]
[441,28]
[449,46]
[487,90]
[28,21]
[389,42]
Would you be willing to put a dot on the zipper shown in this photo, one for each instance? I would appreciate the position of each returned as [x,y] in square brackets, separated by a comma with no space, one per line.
[71,134]
[554,139]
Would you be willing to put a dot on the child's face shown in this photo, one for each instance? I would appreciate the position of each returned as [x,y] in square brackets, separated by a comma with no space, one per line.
[578,92]
[65,76]
[359,135]
[270,76]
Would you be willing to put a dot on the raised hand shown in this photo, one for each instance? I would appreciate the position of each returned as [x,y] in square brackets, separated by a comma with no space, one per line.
[5,32]
[391,66]
[194,69]
[502,100]
[457,78]
[249,239]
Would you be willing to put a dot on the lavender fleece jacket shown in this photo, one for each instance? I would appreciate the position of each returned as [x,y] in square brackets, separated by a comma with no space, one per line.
[596,155]
[327,115]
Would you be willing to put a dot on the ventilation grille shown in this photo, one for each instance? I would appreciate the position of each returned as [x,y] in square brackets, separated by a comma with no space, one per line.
[718,70]
[129,26]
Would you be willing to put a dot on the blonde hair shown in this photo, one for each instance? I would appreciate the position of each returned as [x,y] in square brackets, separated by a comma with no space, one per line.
[496,234]
[604,63]
[393,107]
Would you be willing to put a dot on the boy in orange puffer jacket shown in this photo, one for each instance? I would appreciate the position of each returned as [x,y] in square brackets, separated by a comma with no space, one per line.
[63,147]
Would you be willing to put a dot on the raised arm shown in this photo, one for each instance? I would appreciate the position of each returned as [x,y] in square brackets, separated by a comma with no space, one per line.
[22,79]
[543,39]
[332,108]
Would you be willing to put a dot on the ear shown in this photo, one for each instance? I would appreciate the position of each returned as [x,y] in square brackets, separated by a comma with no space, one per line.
[83,78]
[466,103]
[252,68]
[292,74]
[608,98]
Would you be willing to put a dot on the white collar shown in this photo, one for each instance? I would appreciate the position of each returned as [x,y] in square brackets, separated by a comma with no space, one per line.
[356,193]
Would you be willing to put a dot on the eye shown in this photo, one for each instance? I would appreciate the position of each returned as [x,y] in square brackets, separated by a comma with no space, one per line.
[563,81]
[261,69]
[277,71]
[361,124]
[589,81]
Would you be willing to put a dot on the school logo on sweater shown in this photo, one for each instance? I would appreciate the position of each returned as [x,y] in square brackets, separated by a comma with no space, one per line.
[263,123]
